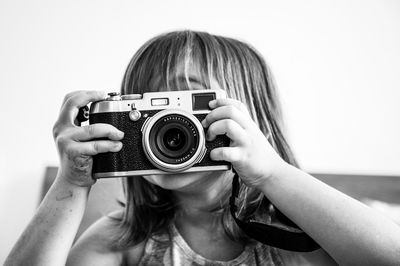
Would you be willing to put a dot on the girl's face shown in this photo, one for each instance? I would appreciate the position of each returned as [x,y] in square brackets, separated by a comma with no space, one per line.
[187,181]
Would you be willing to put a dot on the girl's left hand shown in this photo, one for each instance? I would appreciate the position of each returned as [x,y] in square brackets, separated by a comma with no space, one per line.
[249,152]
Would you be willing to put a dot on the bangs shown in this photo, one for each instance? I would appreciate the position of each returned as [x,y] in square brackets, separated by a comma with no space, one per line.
[180,60]
[170,62]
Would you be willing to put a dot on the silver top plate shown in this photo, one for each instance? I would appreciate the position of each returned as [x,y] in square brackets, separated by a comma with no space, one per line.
[176,100]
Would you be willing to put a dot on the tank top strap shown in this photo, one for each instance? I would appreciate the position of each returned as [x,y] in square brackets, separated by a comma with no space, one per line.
[170,248]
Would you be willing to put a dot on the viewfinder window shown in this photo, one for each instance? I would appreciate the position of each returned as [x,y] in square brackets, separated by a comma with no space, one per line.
[200,100]
[159,101]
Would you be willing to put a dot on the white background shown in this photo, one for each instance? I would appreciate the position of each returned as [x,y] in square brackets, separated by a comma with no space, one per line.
[336,63]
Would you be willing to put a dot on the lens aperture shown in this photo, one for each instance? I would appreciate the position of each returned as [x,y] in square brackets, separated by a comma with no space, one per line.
[174,139]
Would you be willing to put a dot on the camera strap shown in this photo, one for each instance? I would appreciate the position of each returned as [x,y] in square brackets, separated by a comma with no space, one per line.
[280,232]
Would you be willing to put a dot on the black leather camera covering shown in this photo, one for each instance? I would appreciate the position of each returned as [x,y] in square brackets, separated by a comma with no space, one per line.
[132,157]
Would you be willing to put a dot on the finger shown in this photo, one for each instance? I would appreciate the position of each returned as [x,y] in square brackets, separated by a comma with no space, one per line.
[229,154]
[70,94]
[227,112]
[95,131]
[229,128]
[91,148]
[228,101]
[78,99]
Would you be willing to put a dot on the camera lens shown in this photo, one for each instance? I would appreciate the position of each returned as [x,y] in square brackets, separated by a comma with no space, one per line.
[173,140]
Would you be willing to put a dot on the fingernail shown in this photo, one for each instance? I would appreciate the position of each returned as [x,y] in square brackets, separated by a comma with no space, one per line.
[204,123]
[212,155]
[121,134]
[208,137]
[118,146]
[212,103]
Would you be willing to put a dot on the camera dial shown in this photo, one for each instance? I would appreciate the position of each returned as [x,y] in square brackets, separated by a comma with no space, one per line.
[131,97]
[114,96]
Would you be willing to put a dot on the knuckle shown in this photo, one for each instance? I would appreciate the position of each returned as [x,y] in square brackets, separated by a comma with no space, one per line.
[116,145]
[66,97]
[234,159]
[224,154]
[246,140]
[90,130]
[61,141]
[238,111]
[211,128]
[230,124]
[69,102]
[240,156]
[110,131]
[210,117]
[214,129]
[56,130]
[242,106]
[113,132]
[89,94]
[230,108]
[96,146]
[70,95]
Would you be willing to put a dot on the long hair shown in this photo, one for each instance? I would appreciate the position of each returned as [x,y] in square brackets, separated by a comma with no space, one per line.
[243,73]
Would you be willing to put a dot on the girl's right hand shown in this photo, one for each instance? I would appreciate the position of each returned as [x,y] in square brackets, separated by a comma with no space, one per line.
[75,144]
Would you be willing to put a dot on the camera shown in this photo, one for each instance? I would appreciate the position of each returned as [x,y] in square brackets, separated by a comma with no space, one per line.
[163,133]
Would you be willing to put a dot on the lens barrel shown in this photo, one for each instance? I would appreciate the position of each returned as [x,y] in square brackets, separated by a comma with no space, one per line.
[173,140]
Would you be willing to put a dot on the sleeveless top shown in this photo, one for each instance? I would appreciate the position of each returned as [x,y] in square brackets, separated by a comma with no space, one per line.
[170,249]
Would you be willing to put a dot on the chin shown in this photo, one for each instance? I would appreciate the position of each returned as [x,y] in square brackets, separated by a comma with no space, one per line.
[180,181]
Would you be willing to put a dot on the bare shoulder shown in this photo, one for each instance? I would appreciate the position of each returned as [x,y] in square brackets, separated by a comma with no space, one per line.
[317,257]
[95,246]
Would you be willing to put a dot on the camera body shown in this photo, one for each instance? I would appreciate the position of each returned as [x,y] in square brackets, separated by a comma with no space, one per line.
[163,133]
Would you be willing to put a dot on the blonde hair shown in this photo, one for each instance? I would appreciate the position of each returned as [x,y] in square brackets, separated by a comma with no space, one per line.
[242,72]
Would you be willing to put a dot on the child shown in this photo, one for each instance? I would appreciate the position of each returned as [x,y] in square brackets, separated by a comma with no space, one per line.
[184,218]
